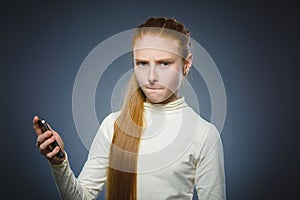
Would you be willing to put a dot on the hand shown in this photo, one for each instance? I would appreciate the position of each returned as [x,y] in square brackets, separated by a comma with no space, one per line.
[45,139]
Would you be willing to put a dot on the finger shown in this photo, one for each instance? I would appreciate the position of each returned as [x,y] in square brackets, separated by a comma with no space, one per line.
[45,145]
[41,138]
[56,135]
[36,127]
[49,126]
[35,118]
[53,131]
[35,121]
[53,153]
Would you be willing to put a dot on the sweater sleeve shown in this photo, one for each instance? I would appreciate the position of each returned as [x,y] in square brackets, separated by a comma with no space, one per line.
[210,175]
[92,177]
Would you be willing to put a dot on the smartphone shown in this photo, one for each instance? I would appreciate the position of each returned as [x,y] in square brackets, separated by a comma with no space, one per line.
[44,127]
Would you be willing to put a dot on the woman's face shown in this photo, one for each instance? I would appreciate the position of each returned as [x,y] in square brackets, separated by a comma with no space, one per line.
[158,68]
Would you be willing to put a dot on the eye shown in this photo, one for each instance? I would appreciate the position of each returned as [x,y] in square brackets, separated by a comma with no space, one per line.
[165,63]
[141,63]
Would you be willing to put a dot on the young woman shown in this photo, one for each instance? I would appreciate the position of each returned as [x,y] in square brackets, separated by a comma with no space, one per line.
[156,147]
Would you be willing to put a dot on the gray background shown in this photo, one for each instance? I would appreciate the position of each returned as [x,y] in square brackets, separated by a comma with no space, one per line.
[254,45]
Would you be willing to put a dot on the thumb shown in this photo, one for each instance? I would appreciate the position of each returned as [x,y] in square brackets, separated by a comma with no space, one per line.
[36,126]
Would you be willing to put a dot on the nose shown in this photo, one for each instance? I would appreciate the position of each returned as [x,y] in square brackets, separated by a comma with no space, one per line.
[152,75]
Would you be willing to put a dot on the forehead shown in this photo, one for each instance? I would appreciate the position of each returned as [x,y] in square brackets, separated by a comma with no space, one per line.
[155,54]
[156,45]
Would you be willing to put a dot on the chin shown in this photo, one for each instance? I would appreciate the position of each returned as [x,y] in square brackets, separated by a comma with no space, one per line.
[159,100]
[155,100]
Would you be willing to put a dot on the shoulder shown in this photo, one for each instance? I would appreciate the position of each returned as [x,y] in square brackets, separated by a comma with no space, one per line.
[106,127]
[206,131]
[196,118]
[109,119]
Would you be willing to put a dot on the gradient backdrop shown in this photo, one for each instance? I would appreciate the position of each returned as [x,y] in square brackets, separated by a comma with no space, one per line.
[254,45]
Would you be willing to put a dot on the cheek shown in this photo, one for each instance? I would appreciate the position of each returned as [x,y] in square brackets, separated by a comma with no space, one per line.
[171,80]
[141,77]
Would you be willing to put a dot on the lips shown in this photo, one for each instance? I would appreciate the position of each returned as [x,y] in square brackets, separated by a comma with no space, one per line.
[153,88]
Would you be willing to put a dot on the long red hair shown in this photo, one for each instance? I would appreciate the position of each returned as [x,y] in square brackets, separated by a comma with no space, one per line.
[121,181]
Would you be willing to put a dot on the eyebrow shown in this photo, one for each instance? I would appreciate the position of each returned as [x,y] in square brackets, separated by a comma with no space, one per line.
[159,60]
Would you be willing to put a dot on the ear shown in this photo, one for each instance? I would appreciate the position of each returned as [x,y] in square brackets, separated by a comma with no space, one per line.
[187,64]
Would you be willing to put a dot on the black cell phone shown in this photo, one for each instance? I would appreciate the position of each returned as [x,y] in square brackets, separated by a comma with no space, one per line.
[44,127]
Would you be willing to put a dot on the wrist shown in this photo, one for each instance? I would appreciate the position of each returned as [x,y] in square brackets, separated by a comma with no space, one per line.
[56,161]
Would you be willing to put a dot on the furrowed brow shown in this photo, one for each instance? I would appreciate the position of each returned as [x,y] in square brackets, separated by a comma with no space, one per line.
[141,60]
[165,60]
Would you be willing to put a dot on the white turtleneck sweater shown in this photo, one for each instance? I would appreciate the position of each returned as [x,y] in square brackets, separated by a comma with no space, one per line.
[178,150]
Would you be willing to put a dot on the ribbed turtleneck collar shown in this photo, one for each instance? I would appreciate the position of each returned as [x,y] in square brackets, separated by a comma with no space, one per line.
[173,106]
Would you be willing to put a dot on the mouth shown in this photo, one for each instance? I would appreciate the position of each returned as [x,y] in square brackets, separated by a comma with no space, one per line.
[153,88]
